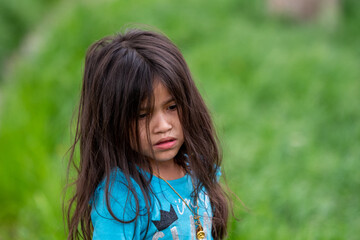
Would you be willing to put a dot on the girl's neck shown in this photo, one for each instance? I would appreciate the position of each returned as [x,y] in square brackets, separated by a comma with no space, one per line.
[168,170]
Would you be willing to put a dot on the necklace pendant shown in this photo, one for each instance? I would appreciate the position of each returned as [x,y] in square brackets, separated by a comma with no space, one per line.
[200,234]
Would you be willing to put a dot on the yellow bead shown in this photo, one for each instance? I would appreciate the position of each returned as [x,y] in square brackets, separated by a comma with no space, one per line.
[200,234]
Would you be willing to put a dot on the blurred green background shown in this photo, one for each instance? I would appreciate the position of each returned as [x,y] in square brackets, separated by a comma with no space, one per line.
[282,83]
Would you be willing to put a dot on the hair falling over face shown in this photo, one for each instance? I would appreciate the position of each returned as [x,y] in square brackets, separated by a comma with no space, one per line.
[118,77]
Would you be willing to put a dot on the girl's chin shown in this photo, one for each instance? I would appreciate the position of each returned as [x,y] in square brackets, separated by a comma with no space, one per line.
[163,160]
[164,156]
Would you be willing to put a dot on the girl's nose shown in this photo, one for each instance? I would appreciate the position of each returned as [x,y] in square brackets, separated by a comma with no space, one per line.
[161,123]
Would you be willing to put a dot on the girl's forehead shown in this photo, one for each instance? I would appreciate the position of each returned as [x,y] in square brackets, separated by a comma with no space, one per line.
[160,95]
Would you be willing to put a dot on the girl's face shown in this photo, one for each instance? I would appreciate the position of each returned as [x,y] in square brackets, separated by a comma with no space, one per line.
[165,130]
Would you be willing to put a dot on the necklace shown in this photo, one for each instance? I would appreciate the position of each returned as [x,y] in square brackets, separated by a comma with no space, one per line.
[200,234]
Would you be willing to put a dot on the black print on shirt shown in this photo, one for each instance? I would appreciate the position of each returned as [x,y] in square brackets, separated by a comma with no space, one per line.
[166,219]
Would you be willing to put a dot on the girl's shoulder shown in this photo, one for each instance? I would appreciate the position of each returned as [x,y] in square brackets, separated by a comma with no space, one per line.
[124,197]
[117,181]
[121,200]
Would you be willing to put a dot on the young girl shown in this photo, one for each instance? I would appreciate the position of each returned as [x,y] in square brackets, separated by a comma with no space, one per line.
[149,155]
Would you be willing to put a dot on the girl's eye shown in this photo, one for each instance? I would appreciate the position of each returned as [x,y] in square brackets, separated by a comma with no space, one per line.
[172,107]
[142,115]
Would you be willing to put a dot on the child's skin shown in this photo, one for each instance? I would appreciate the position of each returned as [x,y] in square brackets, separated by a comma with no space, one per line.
[166,134]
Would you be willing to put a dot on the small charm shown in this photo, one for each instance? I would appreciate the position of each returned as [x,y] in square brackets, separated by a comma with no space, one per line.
[200,234]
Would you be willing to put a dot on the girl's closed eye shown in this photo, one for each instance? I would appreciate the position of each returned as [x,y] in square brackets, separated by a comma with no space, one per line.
[172,107]
[143,115]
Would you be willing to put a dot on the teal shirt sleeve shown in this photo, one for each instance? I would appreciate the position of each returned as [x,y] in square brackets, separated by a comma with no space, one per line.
[218,173]
[123,205]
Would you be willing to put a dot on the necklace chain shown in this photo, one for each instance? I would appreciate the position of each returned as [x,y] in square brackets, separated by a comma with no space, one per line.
[180,196]
[200,234]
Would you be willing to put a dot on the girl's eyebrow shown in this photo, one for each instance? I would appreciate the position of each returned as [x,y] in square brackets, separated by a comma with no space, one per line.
[171,99]
[144,108]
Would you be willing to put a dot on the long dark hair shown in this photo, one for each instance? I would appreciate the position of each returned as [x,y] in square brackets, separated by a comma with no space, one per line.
[119,75]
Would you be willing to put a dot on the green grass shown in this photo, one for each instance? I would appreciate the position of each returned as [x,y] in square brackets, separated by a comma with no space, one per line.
[284,98]
[17,19]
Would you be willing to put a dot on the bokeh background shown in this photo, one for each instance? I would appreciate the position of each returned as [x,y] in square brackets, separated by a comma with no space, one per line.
[281,78]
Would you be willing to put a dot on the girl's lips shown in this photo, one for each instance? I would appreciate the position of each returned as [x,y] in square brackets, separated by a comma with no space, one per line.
[164,144]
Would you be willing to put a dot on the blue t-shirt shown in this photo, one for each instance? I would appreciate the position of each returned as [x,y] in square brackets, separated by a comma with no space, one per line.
[170,217]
